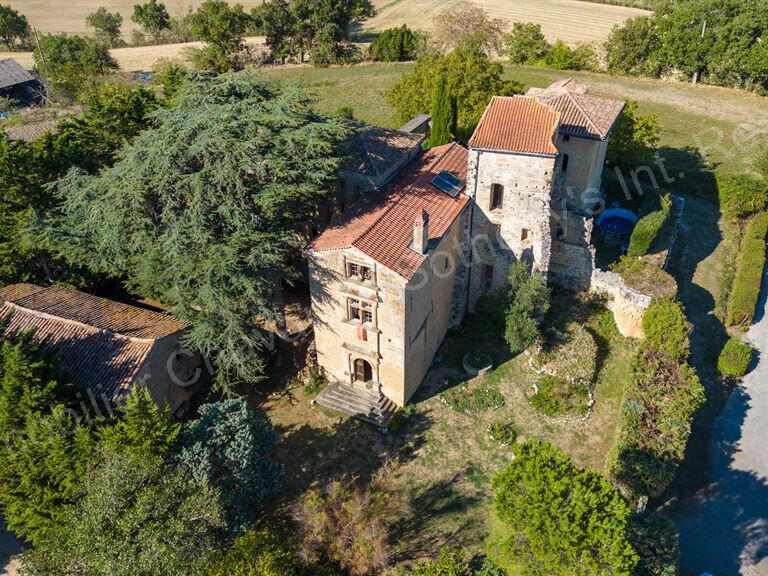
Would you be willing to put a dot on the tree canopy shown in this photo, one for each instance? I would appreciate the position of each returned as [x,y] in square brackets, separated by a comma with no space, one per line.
[467,25]
[397,45]
[527,302]
[13,26]
[152,16]
[715,41]
[223,28]
[70,63]
[472,78]
[106,24]
[116,112]
[558,519]
[203,210]
[297,27]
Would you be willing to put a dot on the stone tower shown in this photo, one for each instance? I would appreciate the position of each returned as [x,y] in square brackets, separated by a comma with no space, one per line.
[512,162]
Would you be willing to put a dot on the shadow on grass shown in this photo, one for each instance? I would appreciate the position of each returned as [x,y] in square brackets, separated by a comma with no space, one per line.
[434,505]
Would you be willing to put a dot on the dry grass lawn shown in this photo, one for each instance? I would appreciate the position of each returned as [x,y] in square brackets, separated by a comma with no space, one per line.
[569,20]
[447,458]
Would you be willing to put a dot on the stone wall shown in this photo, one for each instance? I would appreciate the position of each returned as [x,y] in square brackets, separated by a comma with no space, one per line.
[628,305]
[520,229]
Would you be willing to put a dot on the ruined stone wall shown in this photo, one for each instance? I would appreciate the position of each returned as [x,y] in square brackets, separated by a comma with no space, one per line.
[628,305]
[520,229]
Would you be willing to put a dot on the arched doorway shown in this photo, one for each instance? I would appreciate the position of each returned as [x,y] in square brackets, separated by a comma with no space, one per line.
[363,370]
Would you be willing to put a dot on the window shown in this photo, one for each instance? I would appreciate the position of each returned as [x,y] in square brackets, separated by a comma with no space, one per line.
[525,235]
[359,310]
[488,276]
[566,138]
[560,233]
[565,162]
[494,234]
[358,272]
[447,264]
[497,196]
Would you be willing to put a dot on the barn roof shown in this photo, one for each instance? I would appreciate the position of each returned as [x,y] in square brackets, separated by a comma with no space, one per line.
[101,344]
[12,73]
[381,225]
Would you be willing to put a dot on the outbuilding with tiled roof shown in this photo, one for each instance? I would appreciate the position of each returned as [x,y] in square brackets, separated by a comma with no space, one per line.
[105,347]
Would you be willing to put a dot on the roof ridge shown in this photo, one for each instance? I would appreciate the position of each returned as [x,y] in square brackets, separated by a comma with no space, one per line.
[584,112]
[88,327]
[401,195]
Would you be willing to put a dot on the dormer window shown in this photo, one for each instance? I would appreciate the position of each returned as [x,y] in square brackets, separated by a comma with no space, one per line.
[497,196]
[358,272]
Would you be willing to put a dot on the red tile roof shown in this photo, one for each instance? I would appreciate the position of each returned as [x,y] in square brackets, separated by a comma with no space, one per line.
[582,115]
[101,344]
[93,311]
[517,124]
[381,225]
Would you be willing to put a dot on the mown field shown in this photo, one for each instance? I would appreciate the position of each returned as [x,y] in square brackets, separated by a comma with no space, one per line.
[721,124]
[570,20]
[69,15]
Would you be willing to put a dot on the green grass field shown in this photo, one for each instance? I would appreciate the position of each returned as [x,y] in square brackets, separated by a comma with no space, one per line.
[721,124]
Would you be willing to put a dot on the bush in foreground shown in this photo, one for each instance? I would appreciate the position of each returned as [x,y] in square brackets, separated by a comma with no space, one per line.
[666,328]
[256,554]
[741,194]
[557,519]
[648,229]
[749,276]
[734,359]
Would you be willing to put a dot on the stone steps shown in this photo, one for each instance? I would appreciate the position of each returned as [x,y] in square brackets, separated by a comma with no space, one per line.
[371,407]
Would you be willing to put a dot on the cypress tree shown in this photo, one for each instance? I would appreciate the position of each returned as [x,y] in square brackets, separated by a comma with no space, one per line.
[443,115]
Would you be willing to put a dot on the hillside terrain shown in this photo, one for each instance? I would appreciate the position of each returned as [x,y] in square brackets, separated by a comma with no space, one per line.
[570,20]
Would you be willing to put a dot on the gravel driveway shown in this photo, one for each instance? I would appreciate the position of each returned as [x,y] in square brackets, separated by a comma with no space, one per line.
[724,528]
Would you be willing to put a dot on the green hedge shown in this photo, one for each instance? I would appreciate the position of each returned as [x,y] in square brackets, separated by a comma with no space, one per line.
[648,228]
[659,404]
[749,276]
[741,194]
[666,328]
[734,359]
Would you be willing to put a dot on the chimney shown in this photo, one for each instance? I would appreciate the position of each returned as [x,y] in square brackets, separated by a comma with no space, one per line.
[421,232]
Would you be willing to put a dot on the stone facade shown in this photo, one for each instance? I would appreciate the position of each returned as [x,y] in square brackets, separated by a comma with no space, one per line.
[511,215]
[628,305]
[391,349]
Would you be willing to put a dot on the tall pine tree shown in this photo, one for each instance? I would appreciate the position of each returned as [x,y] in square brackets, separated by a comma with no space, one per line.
[443,128]
[204,211]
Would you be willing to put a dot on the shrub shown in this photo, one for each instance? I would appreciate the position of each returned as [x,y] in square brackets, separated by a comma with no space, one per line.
[741,194]
[256,554]
[666,328]
[556,396]
[315,383]
[397,45]
[448,563]
[734,359]
[349,525]
[749,276]
[503,433]
[659,403]
[553,516]
[648,228]
[655,540]
[477,396]
[528,301]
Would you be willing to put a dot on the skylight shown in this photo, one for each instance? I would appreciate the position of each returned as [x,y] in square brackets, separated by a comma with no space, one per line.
[448,183]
